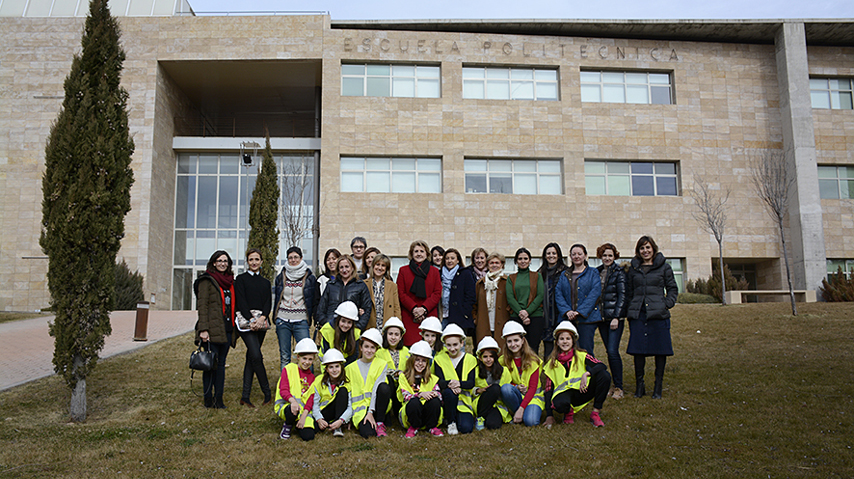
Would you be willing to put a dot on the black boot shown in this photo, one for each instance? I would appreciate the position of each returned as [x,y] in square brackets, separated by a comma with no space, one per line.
[659,376]
[656,393]
[640,363]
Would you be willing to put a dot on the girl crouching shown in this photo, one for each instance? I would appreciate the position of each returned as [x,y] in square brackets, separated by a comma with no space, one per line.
[419,393]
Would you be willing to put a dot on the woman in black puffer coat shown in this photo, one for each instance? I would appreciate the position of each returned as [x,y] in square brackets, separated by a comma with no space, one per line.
[653,291]
[612,304]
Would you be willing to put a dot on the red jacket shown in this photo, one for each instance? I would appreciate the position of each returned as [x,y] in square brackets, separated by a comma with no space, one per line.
[408,301]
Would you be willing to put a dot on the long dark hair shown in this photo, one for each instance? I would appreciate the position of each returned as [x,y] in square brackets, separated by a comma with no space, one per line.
[347,343]
[496,370]
[326,257]
[386,344]
[211,266]
[544,266]
[328,380]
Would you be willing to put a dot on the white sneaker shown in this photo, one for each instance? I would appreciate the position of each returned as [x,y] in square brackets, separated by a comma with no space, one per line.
[452,429]
[338,433]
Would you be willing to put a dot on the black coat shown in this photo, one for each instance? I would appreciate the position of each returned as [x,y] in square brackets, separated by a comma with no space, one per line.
[461,299]
[613,303]
[336,293]
[656,289]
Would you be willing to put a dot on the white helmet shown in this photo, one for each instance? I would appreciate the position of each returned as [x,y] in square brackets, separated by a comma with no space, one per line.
[421,348]
[431,323]
[565,326]
[512,327]
[394,322]
[373,335]
[305,346]
[332,356]
[453,330]
[487,343]
[349,310]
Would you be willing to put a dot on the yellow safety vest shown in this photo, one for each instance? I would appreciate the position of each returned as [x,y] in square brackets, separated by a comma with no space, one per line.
[294,384]
[405,386]
[326,396]
[362,390]
[562,380]
[327,339]
[479,382]
[443,360]
[385,355]
[524,378]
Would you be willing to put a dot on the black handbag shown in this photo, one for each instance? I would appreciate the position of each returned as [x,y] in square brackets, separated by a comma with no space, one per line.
[203,360]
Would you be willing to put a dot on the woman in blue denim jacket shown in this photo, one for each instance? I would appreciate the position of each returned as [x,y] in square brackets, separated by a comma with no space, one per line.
[577,296]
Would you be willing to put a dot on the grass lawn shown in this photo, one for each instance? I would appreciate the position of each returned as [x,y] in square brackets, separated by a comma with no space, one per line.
[751,392]
[6,317]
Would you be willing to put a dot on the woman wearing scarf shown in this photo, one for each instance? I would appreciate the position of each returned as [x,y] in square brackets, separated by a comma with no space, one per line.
[478,263]
[457,292]
[295,293]
[215,302]
[490,307]
[551,268]
[419,287]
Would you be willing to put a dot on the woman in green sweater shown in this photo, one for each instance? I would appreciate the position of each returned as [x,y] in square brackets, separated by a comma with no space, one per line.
[525,293]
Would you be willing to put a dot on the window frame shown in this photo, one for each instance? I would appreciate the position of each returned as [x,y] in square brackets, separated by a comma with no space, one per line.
[366,76]
[514,173]
[537,84]
[827,91]
[838,179]
[602,83]
[631,175]
[391,170]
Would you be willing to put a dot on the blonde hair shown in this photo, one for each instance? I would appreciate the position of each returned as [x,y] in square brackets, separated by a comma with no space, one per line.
[409,370]
[381,258]
[529,357]
[415,243]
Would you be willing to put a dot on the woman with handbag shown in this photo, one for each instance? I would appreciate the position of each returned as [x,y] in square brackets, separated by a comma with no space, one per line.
[253,308]
[295,293]
[215,303]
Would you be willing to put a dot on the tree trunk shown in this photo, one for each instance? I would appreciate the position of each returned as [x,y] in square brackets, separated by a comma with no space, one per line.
[78,395]
[788,273]
[723,278]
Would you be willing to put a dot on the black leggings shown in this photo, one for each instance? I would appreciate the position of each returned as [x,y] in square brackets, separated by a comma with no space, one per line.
[331,413]
[254,365]
[597,390]
[423,415]
[382,399]
[486,407]
[306,433]
[533,331]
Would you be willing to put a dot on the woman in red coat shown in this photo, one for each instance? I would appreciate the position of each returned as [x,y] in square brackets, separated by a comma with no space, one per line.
[419,287]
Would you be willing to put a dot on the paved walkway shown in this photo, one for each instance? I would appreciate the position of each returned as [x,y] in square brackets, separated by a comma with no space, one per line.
[26,347]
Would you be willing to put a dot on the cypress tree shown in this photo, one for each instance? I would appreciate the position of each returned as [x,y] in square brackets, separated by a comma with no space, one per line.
[264,213]
[86,188]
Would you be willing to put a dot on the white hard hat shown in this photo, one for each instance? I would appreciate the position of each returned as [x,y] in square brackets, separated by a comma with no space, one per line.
[305,346]
[421,348]
[453,330]
[332,356]
[431,323]
[373,335]
[487,343]
[349,310]
[394,322]
[565,326]
[512,327]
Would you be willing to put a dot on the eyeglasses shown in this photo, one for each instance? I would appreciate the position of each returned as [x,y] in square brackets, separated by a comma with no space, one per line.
[359,246]
[224,261]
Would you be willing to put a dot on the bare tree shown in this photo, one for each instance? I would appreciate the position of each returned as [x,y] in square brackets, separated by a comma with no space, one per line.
[773,182]
[712,218]
[297,190]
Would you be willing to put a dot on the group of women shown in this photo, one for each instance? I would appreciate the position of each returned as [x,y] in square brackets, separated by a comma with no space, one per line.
[398,350]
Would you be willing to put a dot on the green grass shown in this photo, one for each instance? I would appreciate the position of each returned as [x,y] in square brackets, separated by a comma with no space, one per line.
[751,392]
[6,317]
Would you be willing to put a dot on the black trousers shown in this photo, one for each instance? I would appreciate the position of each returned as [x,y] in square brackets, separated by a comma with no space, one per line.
[533,331]
[214,381]
[597,390]
[487,409]
[382,399]
[254,365]
[306,433]
[331,413]
[423,415]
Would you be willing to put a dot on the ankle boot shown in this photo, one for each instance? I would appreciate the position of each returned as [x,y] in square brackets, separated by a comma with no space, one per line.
[659,382]
[640,388]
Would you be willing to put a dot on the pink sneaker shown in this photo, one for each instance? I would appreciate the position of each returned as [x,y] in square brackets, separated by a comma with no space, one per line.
[410,433]
[596,420]
[437,432]
[568,418]
[381,430]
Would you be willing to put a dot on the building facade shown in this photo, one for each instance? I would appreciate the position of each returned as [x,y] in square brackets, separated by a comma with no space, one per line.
[465,134]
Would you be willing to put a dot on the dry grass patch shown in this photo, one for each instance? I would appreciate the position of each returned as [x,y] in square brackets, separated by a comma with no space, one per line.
[6,316]
[751,391]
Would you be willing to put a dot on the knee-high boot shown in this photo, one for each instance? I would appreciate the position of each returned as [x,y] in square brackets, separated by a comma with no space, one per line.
[660,361]
[640,363]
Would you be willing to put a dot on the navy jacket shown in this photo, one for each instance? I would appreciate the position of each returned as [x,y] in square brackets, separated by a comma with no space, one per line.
[589,288]
[613,301]
[461,299]
[336,293]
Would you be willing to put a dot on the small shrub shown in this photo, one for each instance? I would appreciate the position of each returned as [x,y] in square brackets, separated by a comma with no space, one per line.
[128,288]
[839,288]
[712,286]
[696,298]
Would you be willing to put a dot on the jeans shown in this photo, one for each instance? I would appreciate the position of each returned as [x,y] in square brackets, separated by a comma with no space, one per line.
[285,331]
[465,421]
[214,381]
[586,334]
[512,398]
[611,338]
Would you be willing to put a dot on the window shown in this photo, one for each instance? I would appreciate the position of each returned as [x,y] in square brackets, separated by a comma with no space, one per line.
[520,177]
[836,182]
[676,264]
[831,93]
[626,87]
[847,266]
[624,178]
[411,81]
[391,175]
[509,83]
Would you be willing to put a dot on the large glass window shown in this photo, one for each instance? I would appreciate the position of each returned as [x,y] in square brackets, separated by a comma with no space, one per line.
[631,178]
[391,175]
[831,93]
[836,182]
[211,206]
[626,87]
[510,83]
[520,177]
[368,79]
[847,266]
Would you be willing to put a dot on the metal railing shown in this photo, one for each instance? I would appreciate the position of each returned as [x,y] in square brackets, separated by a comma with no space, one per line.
[244,126]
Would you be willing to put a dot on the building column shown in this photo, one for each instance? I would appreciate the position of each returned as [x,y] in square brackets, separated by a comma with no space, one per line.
[805,223]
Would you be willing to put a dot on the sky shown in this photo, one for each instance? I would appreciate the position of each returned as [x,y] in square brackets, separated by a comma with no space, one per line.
[541,9]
